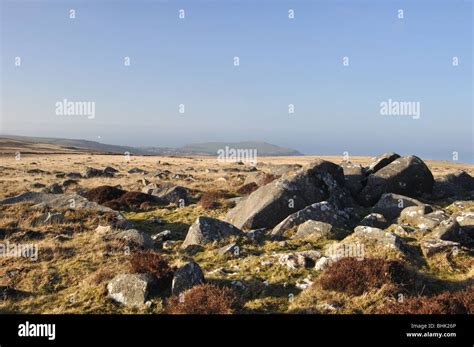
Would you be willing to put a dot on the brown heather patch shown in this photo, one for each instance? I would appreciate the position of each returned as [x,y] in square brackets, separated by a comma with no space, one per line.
[248,188]
[203,299]
[153,263]
[210,200]
[269,178]
[459,302]
[355,277]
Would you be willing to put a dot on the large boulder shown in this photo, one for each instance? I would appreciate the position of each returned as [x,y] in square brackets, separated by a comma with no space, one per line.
[321,211]
[187,277]
[391,205]
[130,289]
[406,175]
[206,229]
[455,184]
[270,204]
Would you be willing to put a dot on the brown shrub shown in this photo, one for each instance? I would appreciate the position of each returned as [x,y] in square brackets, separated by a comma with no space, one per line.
[152,263]
[269,178]
[210,200]
[203,299]
[354,277]
[130,201]
[102,194]
[460,302]
[248,188]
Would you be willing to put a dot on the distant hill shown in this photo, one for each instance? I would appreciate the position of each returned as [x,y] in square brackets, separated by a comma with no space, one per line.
[13,143]
[263,148]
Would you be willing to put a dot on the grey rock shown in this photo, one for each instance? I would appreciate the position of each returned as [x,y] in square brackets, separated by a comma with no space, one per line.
[456,184]
[297,260]
[132,237]
[187,277]
[273,202]
[130,289]
[431,246]
[321,211]
[137,170]
[314,229]
[322,263]
[90,172]
[375,220]
[206,229]
[384,238]
[407,176]
[56,201]
[391,205]
[110,170]
[450,230]
[69,182]
[54,188]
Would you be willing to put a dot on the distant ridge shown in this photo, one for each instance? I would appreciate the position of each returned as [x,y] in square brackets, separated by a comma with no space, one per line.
[11,143]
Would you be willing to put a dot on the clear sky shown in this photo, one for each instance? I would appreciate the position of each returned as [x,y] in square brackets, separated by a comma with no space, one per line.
[282,62]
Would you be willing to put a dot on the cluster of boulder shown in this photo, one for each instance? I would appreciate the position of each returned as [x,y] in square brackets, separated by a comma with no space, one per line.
[320,198]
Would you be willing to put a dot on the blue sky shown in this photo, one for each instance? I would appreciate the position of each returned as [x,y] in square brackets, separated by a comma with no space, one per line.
[282,62]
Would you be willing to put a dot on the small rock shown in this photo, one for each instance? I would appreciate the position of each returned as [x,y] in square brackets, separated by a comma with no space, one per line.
[375,220]
[431,246]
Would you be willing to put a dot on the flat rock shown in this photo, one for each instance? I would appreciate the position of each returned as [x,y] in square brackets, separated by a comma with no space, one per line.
[321,211]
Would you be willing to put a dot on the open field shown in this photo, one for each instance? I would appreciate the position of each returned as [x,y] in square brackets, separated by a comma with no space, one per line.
[75,264]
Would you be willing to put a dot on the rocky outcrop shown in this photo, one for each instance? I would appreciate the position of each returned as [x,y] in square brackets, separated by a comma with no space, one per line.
[270,204]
